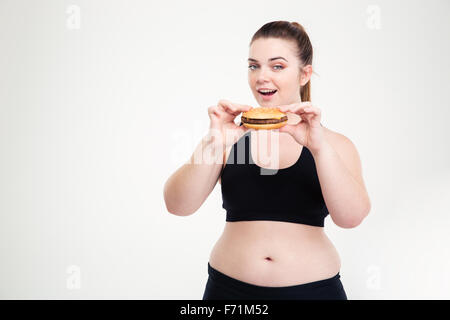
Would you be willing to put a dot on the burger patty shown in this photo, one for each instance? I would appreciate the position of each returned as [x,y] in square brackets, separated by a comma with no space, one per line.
[263,121]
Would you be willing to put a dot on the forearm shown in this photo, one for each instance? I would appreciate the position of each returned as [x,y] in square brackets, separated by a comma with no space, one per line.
[346,200]
[187,189]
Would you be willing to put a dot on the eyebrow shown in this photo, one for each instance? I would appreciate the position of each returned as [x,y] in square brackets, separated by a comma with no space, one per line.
[275,58]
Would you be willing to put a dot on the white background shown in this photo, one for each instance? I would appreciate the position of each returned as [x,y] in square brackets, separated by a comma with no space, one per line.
[97,113]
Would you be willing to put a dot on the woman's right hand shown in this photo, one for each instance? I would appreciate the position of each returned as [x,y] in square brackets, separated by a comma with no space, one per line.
[222,120]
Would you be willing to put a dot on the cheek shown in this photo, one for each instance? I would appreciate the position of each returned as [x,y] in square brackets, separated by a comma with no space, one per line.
[289,83]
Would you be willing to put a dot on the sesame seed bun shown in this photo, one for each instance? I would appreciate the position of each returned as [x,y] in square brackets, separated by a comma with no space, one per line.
[264,118]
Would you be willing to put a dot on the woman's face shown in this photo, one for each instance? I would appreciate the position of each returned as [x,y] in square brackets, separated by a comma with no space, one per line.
[281,74]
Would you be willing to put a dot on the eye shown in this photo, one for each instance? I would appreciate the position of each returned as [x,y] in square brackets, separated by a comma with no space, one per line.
[252,65]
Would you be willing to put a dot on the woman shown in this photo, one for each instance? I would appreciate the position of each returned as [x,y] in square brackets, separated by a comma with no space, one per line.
[273,245]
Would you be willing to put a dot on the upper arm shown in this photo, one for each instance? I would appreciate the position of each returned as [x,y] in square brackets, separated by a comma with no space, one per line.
[223,165]
[348,153]
[226,153]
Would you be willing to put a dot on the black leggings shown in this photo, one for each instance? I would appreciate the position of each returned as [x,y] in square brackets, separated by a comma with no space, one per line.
[222,287]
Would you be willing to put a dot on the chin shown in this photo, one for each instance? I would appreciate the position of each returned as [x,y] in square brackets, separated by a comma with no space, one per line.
[268,104]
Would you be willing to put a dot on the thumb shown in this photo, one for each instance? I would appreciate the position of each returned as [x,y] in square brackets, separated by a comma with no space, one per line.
[287,128]
[244,128]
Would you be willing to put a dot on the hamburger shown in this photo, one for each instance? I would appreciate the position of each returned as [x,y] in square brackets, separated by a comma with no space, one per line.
[264,118]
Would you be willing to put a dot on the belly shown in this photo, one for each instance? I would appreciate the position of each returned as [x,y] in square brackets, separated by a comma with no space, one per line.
[274,253]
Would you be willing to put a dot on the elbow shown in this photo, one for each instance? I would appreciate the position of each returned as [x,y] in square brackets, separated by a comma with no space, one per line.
[350,224]
[174,209]
[354,221]
[178,211]
[169,205]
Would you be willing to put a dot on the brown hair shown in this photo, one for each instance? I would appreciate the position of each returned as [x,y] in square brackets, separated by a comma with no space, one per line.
[295,32]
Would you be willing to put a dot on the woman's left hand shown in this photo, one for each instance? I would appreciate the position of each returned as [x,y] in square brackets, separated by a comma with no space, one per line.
[308,132]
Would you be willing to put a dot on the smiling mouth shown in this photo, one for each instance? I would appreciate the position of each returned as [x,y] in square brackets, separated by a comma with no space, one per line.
[268,93]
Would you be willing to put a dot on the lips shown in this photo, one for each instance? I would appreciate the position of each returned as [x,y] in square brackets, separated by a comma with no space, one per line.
[267,97]
[267,93]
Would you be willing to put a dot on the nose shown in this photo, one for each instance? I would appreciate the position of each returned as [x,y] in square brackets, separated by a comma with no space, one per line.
[263,75]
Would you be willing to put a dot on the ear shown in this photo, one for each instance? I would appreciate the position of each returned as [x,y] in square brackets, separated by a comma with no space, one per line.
[305,75]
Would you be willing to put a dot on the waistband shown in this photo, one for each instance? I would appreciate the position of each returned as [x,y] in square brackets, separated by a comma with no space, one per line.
[220,277]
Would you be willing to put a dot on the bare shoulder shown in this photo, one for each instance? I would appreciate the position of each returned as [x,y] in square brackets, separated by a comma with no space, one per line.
[336,139]
[331,136]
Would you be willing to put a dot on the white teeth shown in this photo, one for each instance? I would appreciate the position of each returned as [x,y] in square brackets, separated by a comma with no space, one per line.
[265,91]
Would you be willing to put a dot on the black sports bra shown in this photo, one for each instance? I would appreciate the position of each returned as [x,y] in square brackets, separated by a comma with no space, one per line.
[250,192]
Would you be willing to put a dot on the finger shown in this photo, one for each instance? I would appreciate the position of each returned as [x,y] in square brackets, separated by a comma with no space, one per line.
[232,111]
[314,115]
[239,107]
[224,110]
[212,111]
[287,128]
[242,107]
[234,108]
[313,110]
[224,105]
[217,110]
[297,108]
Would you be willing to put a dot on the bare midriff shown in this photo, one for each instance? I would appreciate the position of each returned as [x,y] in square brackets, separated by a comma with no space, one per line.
[275,253]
